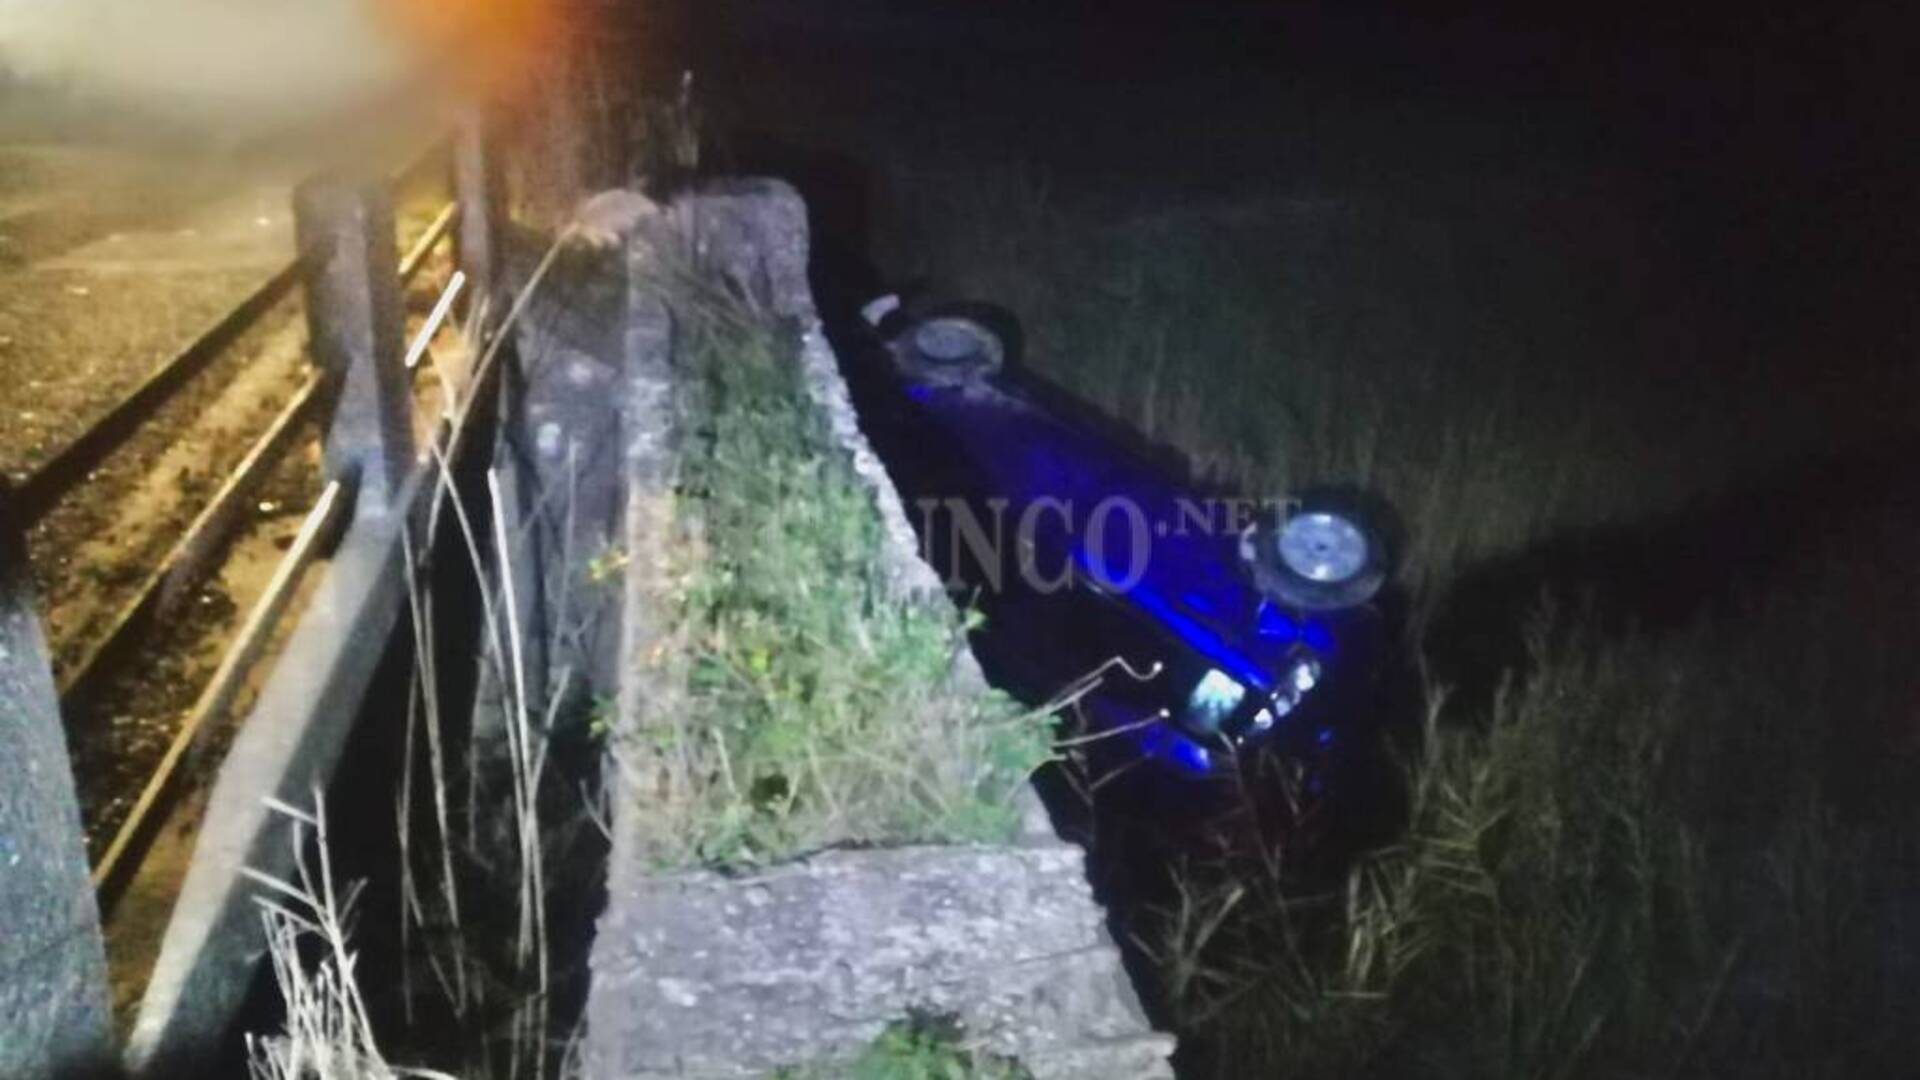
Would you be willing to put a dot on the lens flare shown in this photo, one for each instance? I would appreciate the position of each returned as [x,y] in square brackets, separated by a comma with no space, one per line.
[490,46]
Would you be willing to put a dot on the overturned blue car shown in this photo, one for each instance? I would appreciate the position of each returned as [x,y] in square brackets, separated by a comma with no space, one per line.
[1220,627]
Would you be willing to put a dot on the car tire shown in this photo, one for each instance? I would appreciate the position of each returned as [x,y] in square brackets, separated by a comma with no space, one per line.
[948,350]
[1316,554]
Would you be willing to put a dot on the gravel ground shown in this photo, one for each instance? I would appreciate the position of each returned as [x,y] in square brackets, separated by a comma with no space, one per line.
[110,263]
[108,266]
[72,343]
[137,713]
[56,197]
[91,553]
[82,321]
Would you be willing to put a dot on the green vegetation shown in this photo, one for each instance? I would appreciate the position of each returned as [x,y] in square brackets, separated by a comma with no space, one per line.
[918,1048]
[820,709]
[924,1051]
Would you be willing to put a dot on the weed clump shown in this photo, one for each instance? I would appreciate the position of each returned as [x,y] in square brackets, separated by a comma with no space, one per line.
[820,707]
[921,1047]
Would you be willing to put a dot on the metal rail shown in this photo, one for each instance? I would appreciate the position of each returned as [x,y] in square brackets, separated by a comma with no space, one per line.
[416,256]
[187,562]
[123,855]
[199,979]
[54,478]
[59,474]
[441,308]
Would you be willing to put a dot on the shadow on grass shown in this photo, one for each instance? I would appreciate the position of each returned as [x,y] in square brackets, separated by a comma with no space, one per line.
[1664,572]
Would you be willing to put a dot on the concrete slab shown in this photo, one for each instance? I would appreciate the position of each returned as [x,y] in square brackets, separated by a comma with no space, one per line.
[704,975]
[807,962]
[53,979]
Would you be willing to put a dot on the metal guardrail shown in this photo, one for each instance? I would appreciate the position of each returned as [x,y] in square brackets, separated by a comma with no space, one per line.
[187,563]
[322,524]
[304,715]
[192,555]
[68,467]
[190,558]
[362,396]
[416,256]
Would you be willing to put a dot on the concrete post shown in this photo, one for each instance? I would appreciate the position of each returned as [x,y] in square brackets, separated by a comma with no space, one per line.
[355,320]
[480,189]
[54,1016]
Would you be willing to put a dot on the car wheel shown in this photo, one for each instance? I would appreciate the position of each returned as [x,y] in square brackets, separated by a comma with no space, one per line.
[948,350]
[1315,555]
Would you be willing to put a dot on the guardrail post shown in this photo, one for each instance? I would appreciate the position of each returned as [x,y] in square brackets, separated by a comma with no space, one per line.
[480,189]
[355,319]
[53,964]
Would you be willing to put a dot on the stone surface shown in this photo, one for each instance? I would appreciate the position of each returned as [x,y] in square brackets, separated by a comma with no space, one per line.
[53,978]
[558,461]
[707,975]
[809,961]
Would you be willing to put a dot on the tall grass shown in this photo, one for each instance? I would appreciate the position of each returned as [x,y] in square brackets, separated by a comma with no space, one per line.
[488,826]
[475,888]
[329,1028]
[1656,857]
[1672,851]
[1494,379]
[819,707]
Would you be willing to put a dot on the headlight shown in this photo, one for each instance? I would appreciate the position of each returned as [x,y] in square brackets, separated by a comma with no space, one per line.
[1305,674]
[1296,682]
[1212,701]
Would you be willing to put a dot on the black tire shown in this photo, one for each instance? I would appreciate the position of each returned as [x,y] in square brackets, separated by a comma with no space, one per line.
[1344,578]
[948,350]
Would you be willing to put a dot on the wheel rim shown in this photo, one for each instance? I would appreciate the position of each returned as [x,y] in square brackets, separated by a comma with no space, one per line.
[1322,547]
[949,342]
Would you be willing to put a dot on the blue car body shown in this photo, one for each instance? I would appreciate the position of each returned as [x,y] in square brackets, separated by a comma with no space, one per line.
[1081,549]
